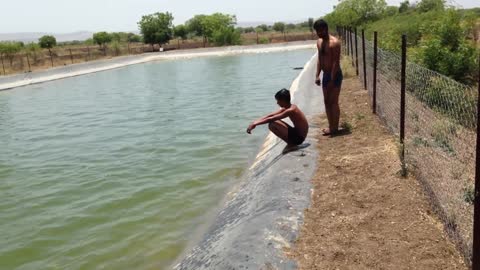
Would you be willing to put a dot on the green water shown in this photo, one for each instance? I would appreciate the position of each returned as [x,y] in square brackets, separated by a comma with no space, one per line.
[117,170]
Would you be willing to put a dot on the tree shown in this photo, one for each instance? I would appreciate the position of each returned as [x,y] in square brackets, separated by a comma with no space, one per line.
[263,27]
[157,28]
[279,27]
[356,12]
[226,36]
[216,22]
[102,38]
[404,7]
[32,50]
[310,24]
[9,49]
[194,25]
[131,37]
[206,25]
[445,49]
[249,30]
[290,26]
[429,5]
[180,31]
[48,42]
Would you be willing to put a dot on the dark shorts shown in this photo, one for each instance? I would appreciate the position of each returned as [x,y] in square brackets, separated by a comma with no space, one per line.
[327,77]
[293,136]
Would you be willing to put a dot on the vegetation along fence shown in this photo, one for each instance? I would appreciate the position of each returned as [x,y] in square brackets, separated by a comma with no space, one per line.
[436,120]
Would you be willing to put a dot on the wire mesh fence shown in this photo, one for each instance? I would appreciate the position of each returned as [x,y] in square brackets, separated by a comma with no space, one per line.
[439,127]
[39,59]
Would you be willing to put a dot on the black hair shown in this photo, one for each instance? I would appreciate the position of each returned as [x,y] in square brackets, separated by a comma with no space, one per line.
[283,95]
[320,24]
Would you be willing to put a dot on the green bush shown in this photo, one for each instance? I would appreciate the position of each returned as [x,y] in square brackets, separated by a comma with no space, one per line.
[226,36]
[263,40]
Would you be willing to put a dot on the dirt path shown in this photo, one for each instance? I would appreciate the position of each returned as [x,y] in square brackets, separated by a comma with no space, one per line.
[364,215]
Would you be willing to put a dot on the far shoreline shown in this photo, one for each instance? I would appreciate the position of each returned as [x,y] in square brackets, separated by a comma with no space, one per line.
[25,79]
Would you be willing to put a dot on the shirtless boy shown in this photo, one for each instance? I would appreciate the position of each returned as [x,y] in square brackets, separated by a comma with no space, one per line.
[293,136]
[329,62]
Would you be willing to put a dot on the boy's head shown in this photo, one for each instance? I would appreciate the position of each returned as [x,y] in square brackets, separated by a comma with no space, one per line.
[283,98]
[321,27]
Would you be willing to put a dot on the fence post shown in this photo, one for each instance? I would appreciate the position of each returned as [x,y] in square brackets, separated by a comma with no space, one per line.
[351,47]
[356,51]
[51,57]
[476,217]
[3,64]
[347,36]
[402,95]
[28,62]
[71,55]
[364,60]
[375,59]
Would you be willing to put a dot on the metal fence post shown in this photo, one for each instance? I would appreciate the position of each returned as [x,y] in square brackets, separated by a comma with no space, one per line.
[3,64]
[476,217]
[28,62]
[71,55]
[402,94]
[375,59]
[348,41]
[356,51]
[364,60]
[351,47]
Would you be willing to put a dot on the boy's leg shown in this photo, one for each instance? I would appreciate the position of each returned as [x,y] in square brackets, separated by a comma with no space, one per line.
[328,109]
[280,129]
[335,108]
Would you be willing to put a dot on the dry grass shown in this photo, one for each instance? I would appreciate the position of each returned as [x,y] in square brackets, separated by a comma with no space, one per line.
[363,214]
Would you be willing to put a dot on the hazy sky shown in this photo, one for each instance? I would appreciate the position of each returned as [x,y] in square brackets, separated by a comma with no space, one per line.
[62,16]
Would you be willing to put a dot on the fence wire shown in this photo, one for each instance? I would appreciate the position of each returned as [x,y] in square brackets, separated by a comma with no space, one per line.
[440,134]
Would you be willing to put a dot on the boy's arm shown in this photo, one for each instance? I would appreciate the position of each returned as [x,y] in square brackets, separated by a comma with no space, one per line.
[283,114]
[272,114]
[317,74]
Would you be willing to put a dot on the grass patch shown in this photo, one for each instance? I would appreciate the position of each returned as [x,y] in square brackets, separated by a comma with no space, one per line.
[469,194]
[442,132]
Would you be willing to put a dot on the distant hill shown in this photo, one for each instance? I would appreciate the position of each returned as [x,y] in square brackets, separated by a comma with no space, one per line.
[34,36]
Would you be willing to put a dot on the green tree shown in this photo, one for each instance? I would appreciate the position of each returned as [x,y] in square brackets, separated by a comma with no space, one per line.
[32,50]
[444,49]
[226,36]
[310,24]
[157,28]
[429,5]
[249,30]
[194,25]
[102,38]
[290,26]
[48,42]
[356,12]
[263,27]
[217,21]
[131,37]
[404,6]
[115,45]
[279,27]
[9,49]
[180,31]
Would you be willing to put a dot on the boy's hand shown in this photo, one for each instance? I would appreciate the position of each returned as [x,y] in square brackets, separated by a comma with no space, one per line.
[250,128]
[317,81]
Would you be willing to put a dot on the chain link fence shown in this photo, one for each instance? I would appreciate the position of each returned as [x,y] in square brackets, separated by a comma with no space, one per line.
[439,127]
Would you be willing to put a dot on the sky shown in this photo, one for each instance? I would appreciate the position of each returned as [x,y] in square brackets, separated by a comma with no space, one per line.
[64,16]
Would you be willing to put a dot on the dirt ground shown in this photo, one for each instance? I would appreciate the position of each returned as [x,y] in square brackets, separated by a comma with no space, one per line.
[363,214]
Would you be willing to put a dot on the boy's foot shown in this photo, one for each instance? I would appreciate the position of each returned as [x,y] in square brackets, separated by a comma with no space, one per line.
[289,148]
[329,132]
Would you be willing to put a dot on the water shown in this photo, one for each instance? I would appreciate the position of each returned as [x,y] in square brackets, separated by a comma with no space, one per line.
[116,170]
